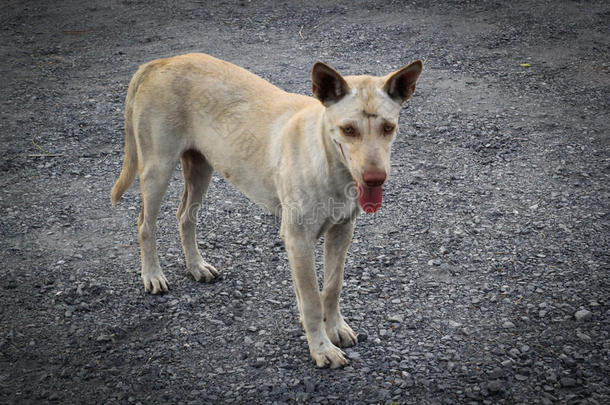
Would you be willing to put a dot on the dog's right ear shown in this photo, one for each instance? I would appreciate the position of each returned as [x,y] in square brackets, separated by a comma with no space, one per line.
[328,86]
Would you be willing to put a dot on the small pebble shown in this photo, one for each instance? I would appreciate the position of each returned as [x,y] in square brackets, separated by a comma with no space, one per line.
[396,318]
[583,315]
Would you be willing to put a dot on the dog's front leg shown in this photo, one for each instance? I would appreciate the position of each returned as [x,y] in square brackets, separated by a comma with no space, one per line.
[300,248]
[336,243]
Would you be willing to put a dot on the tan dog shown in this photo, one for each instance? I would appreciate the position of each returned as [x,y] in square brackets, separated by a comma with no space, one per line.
[314,161]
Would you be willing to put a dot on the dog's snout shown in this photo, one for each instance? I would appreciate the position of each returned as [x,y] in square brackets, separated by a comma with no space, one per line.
[374,178]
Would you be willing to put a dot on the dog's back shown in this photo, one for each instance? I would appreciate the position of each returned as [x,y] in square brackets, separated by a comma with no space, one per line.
[196,101]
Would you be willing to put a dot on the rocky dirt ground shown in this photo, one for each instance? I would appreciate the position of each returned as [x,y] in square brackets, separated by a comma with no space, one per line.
[484,278]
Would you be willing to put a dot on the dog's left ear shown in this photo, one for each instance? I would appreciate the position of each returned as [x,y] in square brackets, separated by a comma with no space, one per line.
[328,86]
[400,85]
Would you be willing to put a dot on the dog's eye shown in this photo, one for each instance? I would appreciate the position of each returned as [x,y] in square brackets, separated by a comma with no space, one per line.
[388,128]
[349,130]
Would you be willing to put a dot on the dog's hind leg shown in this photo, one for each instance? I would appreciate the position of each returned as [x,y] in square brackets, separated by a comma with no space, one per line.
[336,243]
[197,174]
[154,178]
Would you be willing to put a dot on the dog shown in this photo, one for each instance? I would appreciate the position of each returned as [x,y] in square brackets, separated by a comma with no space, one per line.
[316,162]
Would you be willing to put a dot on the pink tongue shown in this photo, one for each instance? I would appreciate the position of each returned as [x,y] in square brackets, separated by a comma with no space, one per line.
[369,198]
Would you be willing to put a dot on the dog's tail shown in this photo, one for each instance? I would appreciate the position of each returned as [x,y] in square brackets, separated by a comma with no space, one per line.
[130,160]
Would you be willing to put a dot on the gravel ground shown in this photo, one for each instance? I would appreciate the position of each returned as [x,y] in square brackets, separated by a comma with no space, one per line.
[484,278]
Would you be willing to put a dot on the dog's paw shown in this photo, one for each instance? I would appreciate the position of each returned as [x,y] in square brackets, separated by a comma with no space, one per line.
[328,355]
[204,272]
[155,282]
[340,333]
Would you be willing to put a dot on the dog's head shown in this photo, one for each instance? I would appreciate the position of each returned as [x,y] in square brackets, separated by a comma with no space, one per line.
[361,118]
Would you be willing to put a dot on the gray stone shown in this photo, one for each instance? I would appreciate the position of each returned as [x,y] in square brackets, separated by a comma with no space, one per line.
[454,324]
[583,315]
[507,363]
[496,373]
[352,354]
[495,387]
[568,382]
[396,318]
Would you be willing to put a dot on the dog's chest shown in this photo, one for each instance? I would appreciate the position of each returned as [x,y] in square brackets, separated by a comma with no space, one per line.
[342,209]
[338,214]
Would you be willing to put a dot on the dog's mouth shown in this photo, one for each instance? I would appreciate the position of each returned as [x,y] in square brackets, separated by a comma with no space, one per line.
[369,197]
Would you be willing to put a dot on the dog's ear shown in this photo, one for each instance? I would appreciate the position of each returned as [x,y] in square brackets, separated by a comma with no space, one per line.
[328,86]
[400,85]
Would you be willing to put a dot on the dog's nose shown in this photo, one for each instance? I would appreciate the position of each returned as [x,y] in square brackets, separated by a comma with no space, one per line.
[374,178]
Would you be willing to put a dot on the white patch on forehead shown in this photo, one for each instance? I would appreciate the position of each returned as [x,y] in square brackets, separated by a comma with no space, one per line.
[386,107]
[384,95]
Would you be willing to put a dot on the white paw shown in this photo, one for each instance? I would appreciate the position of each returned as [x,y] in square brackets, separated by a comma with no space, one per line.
[340,333]
[203,271]
[328,355]
[154,282]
